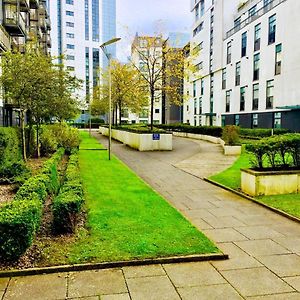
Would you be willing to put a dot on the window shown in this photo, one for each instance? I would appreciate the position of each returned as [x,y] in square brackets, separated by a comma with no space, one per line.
[255,96]
[237,120]
[277,120]
[242,98]
[278,51]
[202,87]
[195,107]
[70,13]
[224,79]
[252,11]
[157,110]
[197,12]
[202,7]
[69,24]
[87,71]
[198,29]
[257,31]
[256,66]
[194,89]
[227,104]
[244,44]
[272,29]
[70,35]
[270,94]
[228,52]
[70,57]
[71,2]
[238,73]
[70,68]
[70,46]
[96,64]
[254,120]
[237,24]
[96,20]
[86,20]
[199,66]
[200,105]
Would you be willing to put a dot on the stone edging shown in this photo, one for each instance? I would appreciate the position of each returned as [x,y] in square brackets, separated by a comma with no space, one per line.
[117,264]
[280,212]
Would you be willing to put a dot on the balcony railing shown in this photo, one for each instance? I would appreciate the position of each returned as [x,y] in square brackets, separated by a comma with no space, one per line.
[254,17]
[23,4]
[14,22]
[4,39]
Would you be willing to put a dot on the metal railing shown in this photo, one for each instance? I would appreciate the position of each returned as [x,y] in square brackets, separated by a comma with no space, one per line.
[4,39]
[254,17]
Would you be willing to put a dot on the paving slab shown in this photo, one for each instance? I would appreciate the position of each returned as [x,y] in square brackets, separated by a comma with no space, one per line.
[38,287]
[258,232]
[91,283]
[294,282]
[291,243]
[282,265]
[152,288]
[193,274]
[116,297]
[211,292]
[256,282]
[262,247]
[225,235]
[3,283]
[144,271]
[286,296]
[86,298]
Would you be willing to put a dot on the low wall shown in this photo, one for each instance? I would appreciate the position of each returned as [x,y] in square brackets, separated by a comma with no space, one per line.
[228,150]
[141,141]
[256,183]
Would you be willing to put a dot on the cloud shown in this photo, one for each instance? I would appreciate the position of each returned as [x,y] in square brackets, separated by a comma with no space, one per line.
[146,17]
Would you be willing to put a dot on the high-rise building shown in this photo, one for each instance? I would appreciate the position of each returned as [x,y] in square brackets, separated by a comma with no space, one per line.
[78,29]
[22,21]
[248,64]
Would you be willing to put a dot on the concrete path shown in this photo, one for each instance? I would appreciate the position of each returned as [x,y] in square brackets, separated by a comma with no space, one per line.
[264,247]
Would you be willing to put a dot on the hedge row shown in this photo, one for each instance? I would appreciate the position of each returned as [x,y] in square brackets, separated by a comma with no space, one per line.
[68,204]
[282,151]
[138,128]
[205,130]
[21,218]
[261,132]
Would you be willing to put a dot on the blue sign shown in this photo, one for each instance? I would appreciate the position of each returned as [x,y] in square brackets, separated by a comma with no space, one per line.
[156,137]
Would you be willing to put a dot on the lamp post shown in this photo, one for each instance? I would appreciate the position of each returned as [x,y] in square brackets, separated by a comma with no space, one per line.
[108,56]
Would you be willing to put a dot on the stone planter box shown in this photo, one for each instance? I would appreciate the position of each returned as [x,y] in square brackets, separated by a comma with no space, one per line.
[141,141]
[257,183]
[228,150]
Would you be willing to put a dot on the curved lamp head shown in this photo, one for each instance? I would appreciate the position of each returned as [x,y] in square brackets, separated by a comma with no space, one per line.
[112,41]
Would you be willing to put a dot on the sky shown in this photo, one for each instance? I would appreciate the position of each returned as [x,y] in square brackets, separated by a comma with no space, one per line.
[147,17]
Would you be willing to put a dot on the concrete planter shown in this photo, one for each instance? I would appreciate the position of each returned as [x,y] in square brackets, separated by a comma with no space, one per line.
[257,183]
[228,150]
[141,141]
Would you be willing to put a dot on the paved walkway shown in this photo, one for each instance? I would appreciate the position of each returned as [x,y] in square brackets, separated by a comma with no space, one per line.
[264,247]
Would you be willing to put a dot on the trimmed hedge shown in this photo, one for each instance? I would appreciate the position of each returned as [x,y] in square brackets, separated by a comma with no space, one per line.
[137,128]
[205,130]
[10,149]
[68,204]
[21,218]
[261,132]
[277,152]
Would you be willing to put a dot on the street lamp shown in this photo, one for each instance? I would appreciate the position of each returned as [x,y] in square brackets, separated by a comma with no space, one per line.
[108,56]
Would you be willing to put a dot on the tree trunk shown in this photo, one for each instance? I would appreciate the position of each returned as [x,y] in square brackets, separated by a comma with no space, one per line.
[38,150]
[152,107]
[116,112]
[22,117]
[120,112]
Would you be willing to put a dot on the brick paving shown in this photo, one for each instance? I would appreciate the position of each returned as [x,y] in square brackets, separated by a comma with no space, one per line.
[264,248]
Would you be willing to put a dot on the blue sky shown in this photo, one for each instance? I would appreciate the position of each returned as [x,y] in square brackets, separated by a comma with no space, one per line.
[148,16]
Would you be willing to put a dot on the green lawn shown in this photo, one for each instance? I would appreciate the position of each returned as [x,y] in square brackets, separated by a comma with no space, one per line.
[126,219]
[231,177]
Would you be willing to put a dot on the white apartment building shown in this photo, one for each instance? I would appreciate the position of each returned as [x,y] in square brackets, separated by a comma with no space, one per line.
[249,64]
[79,27]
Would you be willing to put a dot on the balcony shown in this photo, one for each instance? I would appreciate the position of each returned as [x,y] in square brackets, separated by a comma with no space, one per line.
[49,42]
[34,4]
[4,40]
[23,4]
[14,22]
[34,15]
[254,17]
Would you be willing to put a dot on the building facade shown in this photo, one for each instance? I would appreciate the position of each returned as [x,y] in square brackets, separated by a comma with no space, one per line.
[248,64]
[78,29]
[22,21]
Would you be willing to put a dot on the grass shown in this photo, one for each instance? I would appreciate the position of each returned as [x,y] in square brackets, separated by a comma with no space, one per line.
[126,219]
[287,203]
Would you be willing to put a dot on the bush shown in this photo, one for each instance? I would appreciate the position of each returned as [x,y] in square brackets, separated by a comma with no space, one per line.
[19,221]
[10,148]
[48,141]
[14,172]
[276,152]
[68,203]
[230,135]
[205,130]
[261,132]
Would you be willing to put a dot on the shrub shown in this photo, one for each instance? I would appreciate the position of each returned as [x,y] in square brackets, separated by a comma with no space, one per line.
[19,221]
[230,135]
[48,141]
[14,172]
[261,132]
[66,207]
[10,149]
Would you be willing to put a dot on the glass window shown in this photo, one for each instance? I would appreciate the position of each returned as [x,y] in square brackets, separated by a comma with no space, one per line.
[257,31]
[202,87]
[96,64]
[237,120]
[70,13]
[227,104]
[242,98]
[254,120]
[96,22]
[200,105]
[256,66]
[255,96]
[194,89]
[244,44]
[252,11]
[224,79]
[86,20]
[71,2]
[277,120]
[238,73]
[272,29]
[237,24]
[195,107]
[87,70]
[70,46]
[270,94]
[69,24]
[202,7]
[70,35]
[278,59]
[70,57]
[229,52]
